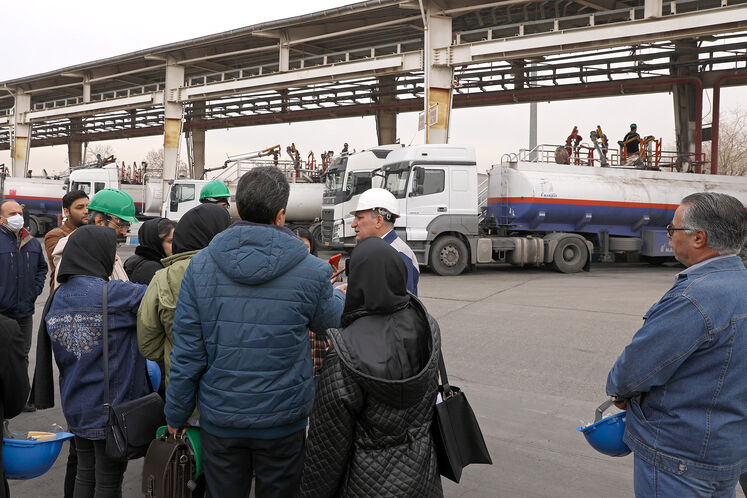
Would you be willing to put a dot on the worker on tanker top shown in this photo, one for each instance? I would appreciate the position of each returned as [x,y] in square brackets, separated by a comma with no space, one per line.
[75,209]
[111,208]
[216,192]
[631,141]
[374,217]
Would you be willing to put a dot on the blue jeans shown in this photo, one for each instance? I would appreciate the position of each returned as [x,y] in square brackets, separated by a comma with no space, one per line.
[653,482]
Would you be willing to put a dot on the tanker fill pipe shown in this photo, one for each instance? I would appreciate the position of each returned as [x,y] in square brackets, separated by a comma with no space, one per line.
[659,82]
[715,118]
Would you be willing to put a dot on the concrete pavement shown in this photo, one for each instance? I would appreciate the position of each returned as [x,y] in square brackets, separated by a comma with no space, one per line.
[531,349]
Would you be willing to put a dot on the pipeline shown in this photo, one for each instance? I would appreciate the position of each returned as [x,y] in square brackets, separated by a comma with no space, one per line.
[715,118]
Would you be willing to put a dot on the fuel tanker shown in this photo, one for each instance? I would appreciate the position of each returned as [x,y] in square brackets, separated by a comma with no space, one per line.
[533,212]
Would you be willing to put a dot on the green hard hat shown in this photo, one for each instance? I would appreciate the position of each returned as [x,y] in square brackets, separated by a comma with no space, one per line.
[633,125]
[214,189]
[114,203]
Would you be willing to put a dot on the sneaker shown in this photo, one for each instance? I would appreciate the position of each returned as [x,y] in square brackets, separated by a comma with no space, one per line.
[30,407]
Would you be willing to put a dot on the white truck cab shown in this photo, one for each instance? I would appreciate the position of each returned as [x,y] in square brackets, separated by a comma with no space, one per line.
[345,180]
[437,188]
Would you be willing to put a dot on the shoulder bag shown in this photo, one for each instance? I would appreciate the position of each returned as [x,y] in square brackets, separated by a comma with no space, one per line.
[132,425]
[456,433]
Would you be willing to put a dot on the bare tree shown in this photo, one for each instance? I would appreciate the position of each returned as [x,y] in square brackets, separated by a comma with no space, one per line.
[154,158]
[104,150]
[732,143]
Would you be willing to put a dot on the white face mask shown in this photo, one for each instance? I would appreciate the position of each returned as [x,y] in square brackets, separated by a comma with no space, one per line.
[15,222]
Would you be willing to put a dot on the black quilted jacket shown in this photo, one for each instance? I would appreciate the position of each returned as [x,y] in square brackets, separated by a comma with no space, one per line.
[370,436]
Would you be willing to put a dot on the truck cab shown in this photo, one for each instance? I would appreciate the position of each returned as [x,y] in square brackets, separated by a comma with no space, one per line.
[345,180]
[183,195]
[437,188]
[91,180]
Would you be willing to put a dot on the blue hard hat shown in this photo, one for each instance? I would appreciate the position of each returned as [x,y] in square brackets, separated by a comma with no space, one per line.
[26,459]
[154,372]
[606,434]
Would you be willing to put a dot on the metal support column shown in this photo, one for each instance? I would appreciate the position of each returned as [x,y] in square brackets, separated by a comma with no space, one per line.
[173,113]
[386,120]
[21,135]
[75,145]
[438,77]
[684,96]
[198,140]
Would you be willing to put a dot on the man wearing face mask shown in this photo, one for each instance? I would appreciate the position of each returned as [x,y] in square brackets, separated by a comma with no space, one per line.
[22,272]
[111,208]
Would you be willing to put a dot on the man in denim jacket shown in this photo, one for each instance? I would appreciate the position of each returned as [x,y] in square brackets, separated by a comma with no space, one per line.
[683,378]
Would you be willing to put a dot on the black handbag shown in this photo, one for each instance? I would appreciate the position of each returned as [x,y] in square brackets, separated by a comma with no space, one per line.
[456,433]
[132,425]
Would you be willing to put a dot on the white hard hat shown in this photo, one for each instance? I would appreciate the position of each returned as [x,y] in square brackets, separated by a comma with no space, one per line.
[377,198]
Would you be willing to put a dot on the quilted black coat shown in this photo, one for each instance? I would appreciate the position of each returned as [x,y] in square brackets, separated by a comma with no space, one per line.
[370,435]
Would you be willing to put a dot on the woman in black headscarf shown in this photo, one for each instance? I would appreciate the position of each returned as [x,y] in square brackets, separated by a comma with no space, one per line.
[155,237]
[75,328]
[194,232]
[370,425]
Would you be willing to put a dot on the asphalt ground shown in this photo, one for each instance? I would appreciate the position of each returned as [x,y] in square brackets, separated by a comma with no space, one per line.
[531,349]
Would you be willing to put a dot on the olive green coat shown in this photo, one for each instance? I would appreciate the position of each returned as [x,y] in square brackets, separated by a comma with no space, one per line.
[156,314]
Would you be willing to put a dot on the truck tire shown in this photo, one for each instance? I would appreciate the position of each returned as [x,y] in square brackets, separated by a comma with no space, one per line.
[570,255]
[316,232]
[34,228]
[449,256]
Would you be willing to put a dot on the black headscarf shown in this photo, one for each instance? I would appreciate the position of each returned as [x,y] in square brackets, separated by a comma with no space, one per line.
[198,226]
[150,246]
[90,251]
[377,281]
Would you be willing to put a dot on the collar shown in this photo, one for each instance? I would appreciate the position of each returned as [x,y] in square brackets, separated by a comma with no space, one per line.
[698,266]
[252,224]
[15,236]
[390,236]
[67,227]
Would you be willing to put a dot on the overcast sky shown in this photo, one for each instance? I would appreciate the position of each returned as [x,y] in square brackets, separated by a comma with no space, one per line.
[45,35]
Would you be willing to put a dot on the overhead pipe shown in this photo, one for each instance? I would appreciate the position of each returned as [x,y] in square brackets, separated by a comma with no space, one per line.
[715,118]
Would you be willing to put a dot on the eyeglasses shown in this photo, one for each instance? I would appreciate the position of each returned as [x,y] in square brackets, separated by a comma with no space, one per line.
[671,229]
[122,226]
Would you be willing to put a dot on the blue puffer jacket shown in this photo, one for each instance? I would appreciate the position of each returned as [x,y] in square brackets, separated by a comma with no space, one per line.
[241,337]
[22,273]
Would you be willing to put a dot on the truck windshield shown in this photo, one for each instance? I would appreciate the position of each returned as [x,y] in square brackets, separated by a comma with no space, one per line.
[395,181]
[333,179]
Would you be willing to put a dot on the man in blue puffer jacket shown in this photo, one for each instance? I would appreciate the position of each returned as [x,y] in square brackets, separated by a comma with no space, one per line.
[241,344]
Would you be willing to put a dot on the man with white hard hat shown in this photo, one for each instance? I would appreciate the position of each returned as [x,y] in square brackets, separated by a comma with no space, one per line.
[374,217]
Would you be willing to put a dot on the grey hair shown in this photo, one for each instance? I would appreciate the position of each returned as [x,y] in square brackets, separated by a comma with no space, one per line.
[384,214]
[721,216]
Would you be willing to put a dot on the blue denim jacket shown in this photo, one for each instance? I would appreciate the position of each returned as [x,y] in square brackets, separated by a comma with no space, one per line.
[74,325]
[685,375]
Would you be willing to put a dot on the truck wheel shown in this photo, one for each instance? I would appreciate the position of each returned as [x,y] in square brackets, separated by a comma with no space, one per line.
[316,232]
[449,256]
[570,255]
[34,228]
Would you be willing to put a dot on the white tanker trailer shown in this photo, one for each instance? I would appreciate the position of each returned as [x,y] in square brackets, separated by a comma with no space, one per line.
[535,213]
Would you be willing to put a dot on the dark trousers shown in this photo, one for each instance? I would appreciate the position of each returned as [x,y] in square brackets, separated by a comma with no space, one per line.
[98,475]
[743,482]
[71,470]
[275,463]
[26,324]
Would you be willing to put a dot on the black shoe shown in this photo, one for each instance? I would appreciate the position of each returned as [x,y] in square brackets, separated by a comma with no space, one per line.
[30,407]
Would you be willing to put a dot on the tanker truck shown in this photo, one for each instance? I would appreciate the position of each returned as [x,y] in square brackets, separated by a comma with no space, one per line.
[41,199]
[535,213]
[304,202]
